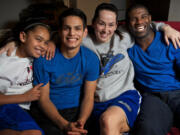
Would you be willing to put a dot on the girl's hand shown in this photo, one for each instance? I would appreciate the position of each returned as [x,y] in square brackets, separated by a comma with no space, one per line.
[33,94]
[49,53]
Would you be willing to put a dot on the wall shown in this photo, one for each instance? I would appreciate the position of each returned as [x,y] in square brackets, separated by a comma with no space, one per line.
[174,11]
[121,5]
[9,10]
[88,6]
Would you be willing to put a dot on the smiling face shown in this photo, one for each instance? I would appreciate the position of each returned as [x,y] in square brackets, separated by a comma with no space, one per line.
[139,22]
[105,26]
[34,41]
[72,32]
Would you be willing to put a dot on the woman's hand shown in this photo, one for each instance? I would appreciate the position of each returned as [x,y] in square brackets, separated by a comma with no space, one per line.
[172,34]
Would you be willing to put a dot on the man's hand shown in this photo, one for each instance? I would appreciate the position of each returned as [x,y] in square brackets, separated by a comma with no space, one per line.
[80,124]
[75,128]
[9,48]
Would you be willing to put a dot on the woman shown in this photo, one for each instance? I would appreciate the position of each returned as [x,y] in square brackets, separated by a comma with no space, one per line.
[16,90]
[116,100]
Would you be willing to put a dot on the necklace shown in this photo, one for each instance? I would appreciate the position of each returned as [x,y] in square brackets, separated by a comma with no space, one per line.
[105,57]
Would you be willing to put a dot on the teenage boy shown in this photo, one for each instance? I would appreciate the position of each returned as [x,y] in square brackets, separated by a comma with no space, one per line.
[70,79]
[156,66]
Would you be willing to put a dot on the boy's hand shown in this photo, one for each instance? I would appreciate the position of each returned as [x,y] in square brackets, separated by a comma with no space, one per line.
[75,128]
[9,48]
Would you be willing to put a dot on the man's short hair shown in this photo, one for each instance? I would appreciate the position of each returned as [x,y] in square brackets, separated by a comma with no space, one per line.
[73,12]
[132,7]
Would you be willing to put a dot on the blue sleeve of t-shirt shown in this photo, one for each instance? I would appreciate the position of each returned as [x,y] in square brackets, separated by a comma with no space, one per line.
[175,53]
[93,67]
[40,74]
[177,57]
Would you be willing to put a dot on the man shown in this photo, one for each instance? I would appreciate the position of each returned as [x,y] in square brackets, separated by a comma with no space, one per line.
[156,66]
[70,79]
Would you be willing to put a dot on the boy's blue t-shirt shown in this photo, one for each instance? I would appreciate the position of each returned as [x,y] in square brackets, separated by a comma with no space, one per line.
[66,76]
[156,68]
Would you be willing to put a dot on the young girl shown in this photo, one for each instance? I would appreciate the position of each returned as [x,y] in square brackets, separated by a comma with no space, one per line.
[16,90]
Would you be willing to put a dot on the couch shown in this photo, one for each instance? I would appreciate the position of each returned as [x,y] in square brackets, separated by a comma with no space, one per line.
[174,24]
